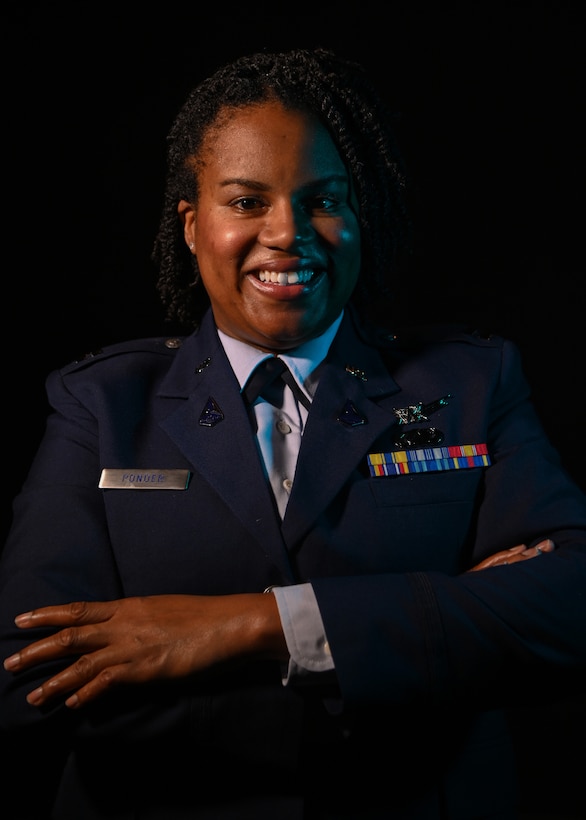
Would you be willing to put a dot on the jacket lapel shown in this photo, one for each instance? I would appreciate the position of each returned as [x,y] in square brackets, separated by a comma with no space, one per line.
[348,414]
[224,453]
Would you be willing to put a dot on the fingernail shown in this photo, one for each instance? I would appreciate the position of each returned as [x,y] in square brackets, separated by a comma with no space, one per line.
[11,662]
[34,696]
[23,618]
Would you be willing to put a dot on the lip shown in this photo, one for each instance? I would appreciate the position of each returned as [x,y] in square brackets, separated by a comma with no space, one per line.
[286,265]
[287,291]
[303,276]
[274,277]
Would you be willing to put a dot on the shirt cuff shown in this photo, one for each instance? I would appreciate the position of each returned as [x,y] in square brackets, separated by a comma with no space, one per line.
[304,631]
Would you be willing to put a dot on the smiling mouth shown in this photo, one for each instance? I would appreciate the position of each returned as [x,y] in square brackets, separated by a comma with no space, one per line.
[294,277]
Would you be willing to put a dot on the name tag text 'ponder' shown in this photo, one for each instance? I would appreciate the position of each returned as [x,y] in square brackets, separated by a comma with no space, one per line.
[114,479]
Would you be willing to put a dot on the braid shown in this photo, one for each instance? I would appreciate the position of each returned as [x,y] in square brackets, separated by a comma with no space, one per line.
[338,92]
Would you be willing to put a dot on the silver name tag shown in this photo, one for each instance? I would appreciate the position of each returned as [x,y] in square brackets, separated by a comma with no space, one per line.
[129,479]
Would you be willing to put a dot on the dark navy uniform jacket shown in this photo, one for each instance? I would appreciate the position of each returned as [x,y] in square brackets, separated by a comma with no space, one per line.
[427,656]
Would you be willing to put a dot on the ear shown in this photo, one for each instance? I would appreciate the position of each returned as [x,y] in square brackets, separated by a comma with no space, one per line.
[186,213]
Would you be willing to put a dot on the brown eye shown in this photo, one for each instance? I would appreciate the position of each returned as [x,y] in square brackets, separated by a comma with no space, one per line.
[248,203]
[321,203]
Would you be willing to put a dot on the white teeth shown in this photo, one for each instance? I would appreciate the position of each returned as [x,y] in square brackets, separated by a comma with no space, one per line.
[294,277]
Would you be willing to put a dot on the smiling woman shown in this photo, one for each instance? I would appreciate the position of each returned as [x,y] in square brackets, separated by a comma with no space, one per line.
[328,589]
[274,227]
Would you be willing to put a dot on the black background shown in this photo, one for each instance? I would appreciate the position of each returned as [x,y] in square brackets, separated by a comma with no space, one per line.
[491,104]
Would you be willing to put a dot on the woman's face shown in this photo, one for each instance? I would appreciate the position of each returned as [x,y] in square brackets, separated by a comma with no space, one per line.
[275,229]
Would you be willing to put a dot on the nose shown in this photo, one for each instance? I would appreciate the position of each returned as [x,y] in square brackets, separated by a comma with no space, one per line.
[286,226]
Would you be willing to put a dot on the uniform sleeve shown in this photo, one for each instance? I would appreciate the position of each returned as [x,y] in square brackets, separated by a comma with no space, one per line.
[488,637]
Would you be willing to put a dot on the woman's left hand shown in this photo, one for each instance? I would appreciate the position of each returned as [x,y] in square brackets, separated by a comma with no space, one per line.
[512,556]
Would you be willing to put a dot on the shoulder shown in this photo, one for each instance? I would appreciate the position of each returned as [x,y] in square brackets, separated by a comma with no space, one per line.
[410,336]
[410,339]
[414,337]
[150,352]
[128,372]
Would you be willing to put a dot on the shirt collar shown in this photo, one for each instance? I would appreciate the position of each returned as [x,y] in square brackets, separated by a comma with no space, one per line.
[302,360]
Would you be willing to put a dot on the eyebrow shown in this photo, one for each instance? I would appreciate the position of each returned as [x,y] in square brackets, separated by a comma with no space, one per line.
[244,183]
[260,186]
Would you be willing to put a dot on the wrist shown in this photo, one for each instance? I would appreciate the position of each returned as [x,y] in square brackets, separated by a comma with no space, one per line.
[267,637]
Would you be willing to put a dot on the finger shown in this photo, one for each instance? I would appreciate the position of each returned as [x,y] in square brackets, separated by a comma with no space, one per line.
[515,550]
[547,545]
[498,558]
[520,552]
[77,612]
[82,682]
[67,642]
[107,679]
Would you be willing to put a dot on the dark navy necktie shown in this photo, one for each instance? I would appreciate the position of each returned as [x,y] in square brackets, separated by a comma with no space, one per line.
[268,380]
[279,440]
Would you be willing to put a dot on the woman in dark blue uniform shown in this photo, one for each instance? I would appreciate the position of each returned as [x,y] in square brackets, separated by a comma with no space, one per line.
[314,597]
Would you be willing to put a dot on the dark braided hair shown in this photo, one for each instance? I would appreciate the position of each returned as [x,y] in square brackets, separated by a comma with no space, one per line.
[338,92]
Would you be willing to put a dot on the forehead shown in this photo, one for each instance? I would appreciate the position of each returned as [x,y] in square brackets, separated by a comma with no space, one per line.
[269,130]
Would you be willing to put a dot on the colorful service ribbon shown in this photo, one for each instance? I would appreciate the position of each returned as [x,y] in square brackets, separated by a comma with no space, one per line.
[428,459]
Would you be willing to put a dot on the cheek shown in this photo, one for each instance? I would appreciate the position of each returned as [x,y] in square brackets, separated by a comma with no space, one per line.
[348,247]
[216,240]
[345,241]
[217,250]
[343,235]
[349,239]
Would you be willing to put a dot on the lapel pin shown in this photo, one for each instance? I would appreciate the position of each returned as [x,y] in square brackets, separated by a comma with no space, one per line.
[420,437]
[203,365]
[211,414]
[350,415]
[355,371]
[419,412]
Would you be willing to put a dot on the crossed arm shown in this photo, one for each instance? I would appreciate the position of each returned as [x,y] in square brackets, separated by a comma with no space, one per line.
[141,639]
